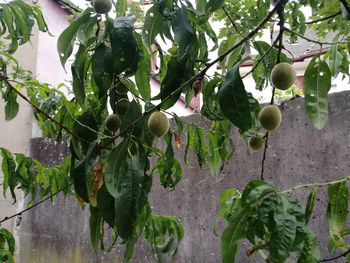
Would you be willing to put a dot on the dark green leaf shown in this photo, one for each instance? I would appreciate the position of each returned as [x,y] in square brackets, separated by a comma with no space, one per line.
[310,205]
[335,60]
[95,227]
[105,204]
[143,71]
[9,171]
[317,82]
[234,100]
[234,232]
[127,202]
[66,39]
[114,167]
[152,26]
[121,7]
[255,191]
[12,106]
[176,74]
[283,233]
[101,69]
[183,31]
[337,211]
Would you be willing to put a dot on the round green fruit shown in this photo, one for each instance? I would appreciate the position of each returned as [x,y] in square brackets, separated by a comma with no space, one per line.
[122,87]
[113,122]
[283,76]
[257,143]
[102,6]
[158,124]
[270,117]
[122,106]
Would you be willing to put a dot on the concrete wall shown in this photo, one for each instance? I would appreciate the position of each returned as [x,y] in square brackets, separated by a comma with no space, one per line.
[298,153]
[27,55]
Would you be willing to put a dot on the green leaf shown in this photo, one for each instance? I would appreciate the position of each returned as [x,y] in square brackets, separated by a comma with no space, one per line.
[183,31]
[234,101]
[121,7]
[337,212]
[234,232]
[283,233]
[66,39]
[255,191]
[213,5]
[78,87]
[310,252]
[335,60]
[143,71]
[317,82]
[127,202]
[310,205]
[105,204]
[101,69]
[176,74]
[9,171]
[114,166]
[7,237]
[12,106]
[95,227]
[152,26]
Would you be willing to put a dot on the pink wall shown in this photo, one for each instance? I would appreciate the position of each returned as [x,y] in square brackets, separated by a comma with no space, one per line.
[49,68]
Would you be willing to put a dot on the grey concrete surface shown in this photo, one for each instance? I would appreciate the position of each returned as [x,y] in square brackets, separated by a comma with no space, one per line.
[298,153]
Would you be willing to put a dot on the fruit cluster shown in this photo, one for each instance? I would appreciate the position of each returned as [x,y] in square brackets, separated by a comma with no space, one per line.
[283,77]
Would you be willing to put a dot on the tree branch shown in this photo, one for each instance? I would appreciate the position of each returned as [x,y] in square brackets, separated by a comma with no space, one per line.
[9,84]
[36,204]
[301,186]
[340,256]
[323,18]
[313,40]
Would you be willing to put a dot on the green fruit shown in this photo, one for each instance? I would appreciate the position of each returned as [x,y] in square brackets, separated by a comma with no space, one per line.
[102,6]
[122,87]
[345,14]
[158,124]
[270,117]
[113,122]
[283,76]
[122,106]
[257,143]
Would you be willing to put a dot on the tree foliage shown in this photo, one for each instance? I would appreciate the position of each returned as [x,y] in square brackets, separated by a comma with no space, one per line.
[111,172]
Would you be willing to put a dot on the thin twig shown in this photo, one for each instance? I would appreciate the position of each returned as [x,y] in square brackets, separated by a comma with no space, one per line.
[36,204]
[323,18]
[200,74]
[301,186]
[261,58]
[9,84]
[313,40]
[280,12]
[340,256]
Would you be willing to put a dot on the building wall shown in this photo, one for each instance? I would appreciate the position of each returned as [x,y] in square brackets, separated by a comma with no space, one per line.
[297,153]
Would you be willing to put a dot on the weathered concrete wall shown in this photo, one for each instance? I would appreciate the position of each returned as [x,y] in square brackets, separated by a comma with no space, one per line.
[22,124]
[298,153]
